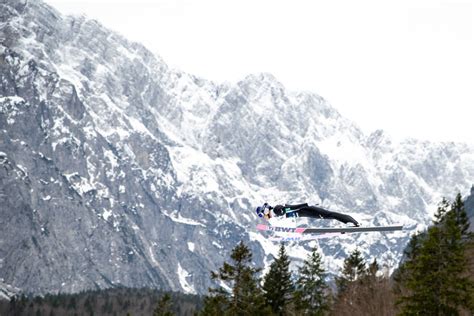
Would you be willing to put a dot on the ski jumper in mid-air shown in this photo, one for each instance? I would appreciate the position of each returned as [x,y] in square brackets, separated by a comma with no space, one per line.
[302,210]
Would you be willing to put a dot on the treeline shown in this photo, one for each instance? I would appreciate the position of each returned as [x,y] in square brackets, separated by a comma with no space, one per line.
[115,301]
[435,278]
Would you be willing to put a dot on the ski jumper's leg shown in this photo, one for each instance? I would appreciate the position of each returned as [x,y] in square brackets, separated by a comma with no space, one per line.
[318,212]
[312,211]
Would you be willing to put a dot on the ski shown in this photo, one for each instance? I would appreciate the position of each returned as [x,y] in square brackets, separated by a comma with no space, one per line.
[281,229]
[342,230]
[300,237]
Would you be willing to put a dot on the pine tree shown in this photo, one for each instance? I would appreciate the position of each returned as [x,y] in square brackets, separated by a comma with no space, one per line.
[435,278]
[426,277]
[353,269]
[246,297]
[458,292]
[164,306]
[215,304]
[311,290]
[419,275]
[369,293]
[278,286]
[441,211]
[460,217]
[370,280]
[373,269]
[349,282]
[401,275]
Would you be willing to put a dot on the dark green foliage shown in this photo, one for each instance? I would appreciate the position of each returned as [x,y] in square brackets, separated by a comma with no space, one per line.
[310,295]
[278,285]
[460,217]
[401,275]
[350,282]
[246,297]
[215,304]
[433,280]
[354,268]
[369,279]
[117,301]
[164,306]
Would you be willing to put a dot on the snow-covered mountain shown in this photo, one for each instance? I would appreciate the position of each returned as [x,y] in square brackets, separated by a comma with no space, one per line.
[469,205]
[116,169]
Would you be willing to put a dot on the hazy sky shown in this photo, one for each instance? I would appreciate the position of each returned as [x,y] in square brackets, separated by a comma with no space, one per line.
[405,66]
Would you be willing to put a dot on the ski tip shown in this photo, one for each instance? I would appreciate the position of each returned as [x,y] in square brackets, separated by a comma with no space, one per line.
[262,227]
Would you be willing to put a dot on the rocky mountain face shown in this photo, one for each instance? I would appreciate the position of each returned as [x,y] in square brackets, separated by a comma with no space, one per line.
[117,170]
[469,205]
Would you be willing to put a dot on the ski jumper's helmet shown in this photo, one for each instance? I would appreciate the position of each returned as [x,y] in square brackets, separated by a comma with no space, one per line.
[261,209]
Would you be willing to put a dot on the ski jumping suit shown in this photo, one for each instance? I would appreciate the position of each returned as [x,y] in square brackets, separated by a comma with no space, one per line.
[304,210]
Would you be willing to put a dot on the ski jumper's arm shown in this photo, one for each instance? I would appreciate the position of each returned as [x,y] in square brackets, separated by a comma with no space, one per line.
[293,207]
[280,210]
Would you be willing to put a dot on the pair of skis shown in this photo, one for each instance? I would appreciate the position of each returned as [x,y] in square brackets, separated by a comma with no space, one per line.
[308,233]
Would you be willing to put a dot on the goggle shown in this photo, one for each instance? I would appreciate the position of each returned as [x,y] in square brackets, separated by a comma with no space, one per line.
[261,209]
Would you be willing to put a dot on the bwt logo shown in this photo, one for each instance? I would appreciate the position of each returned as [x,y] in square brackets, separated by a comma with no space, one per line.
[288,229]
[290,239]
[283,229]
